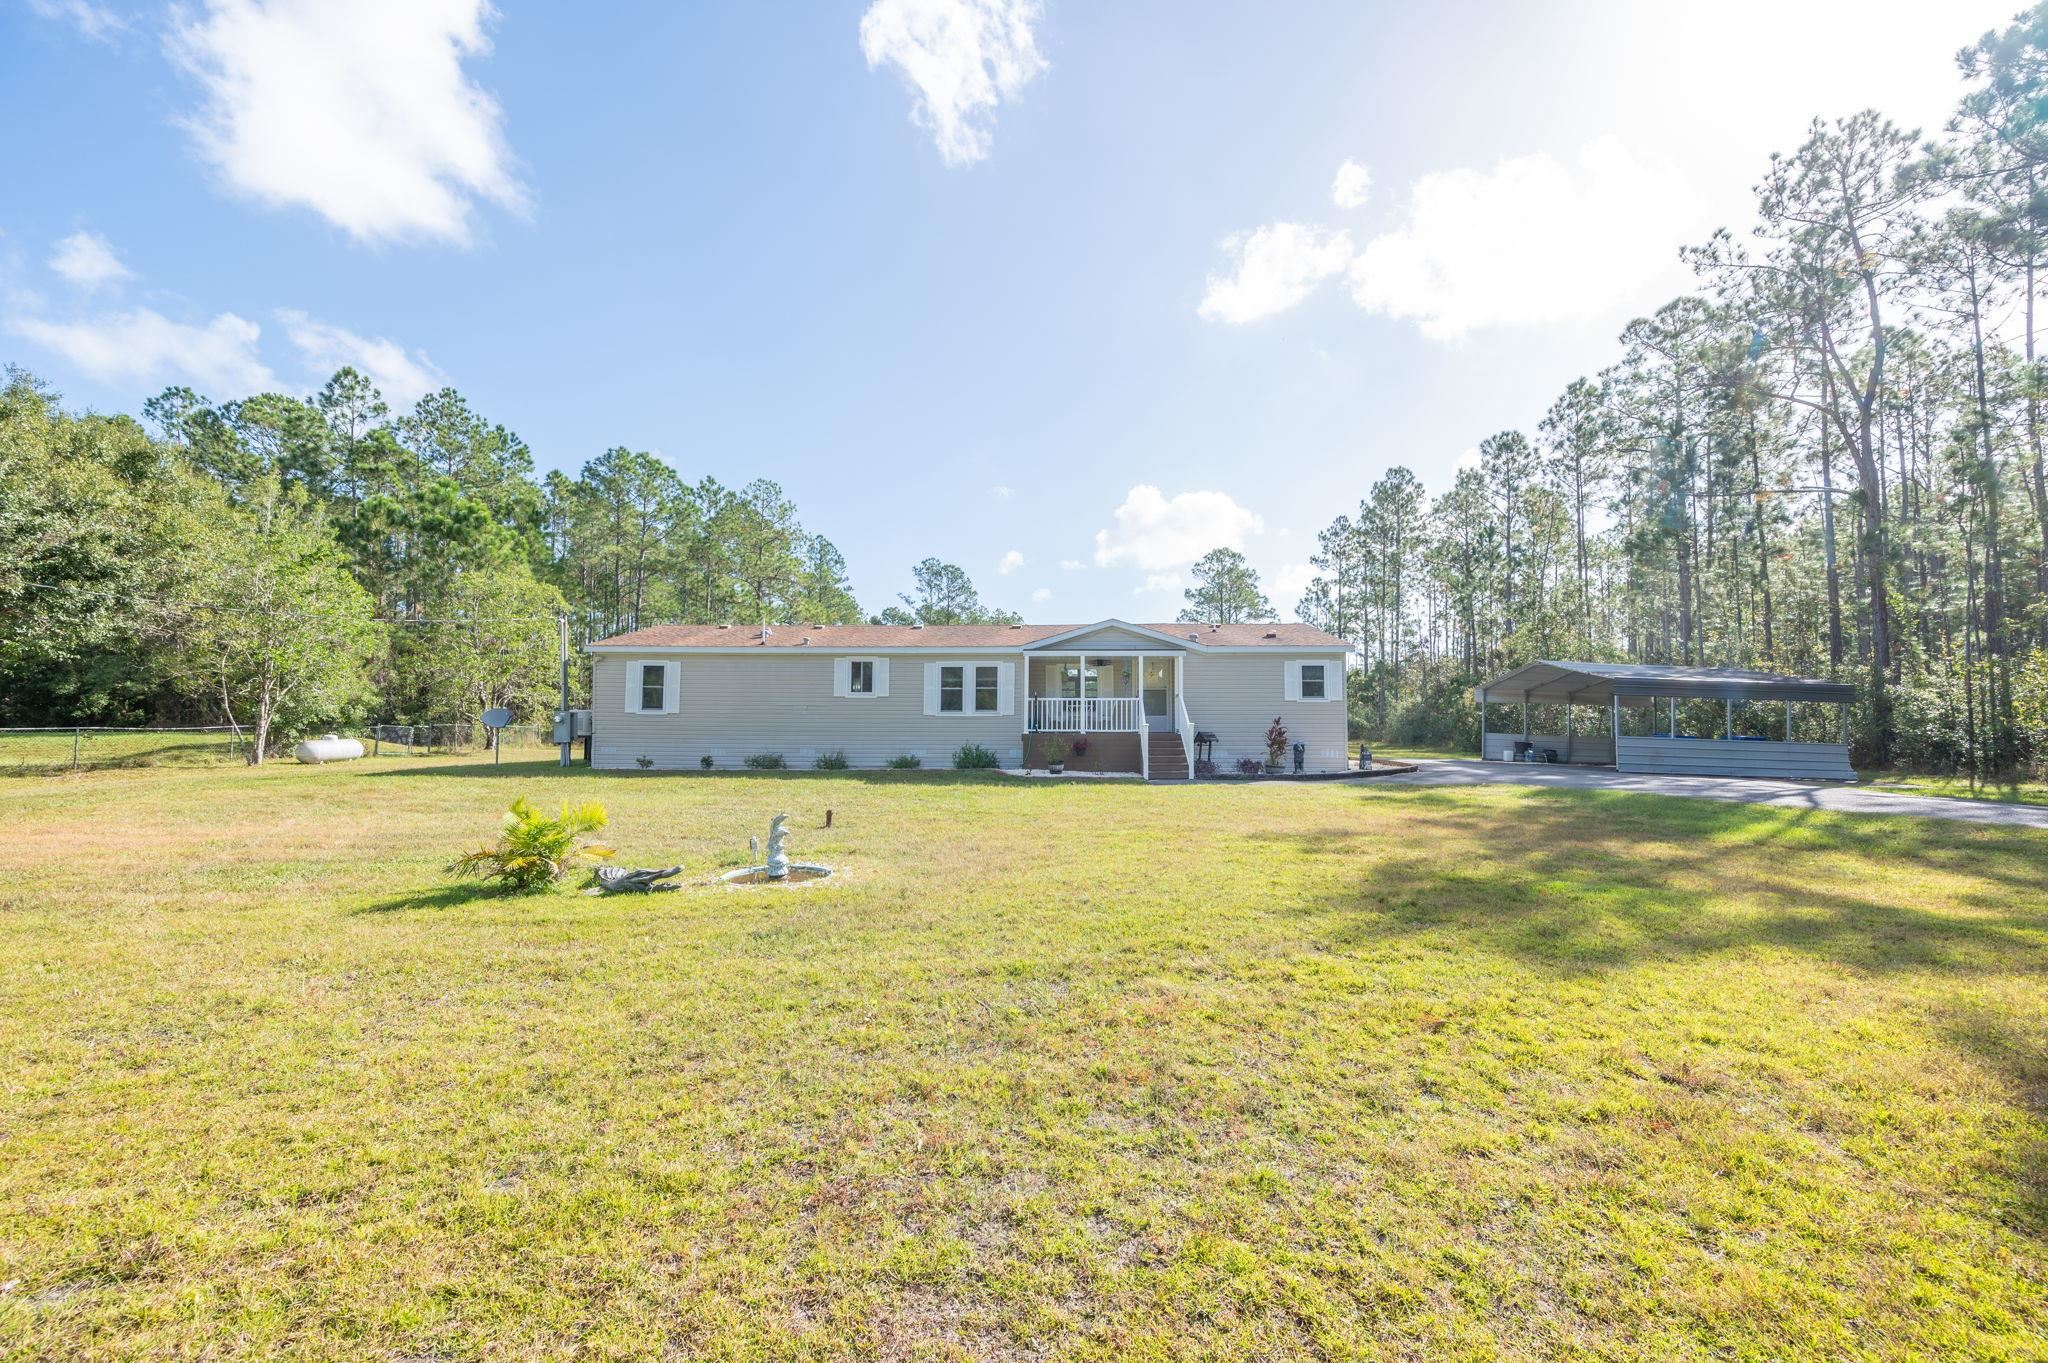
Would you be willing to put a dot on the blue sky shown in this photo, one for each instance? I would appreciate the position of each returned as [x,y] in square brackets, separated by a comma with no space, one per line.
[1065,293]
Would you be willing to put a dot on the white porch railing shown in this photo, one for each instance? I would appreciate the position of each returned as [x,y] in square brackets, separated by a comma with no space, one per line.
[1087,714]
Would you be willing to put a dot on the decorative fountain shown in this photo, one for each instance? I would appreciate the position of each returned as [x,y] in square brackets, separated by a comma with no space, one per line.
[778,869]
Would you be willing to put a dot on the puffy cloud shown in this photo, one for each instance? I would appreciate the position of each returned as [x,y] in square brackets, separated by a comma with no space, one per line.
[1289,582]
[1041,594]
[1534,240]
[1003,493]
[361,112]
[144,346]
[1352,186]
[1012,561]
[1276,267]
[87,260]
[961,58]
[1068,565]
[1159,582]
[96,22]
[404,378]
[1469,459]
[1153,532]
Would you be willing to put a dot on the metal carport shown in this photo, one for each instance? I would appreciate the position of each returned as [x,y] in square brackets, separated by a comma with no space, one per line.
[1640,690]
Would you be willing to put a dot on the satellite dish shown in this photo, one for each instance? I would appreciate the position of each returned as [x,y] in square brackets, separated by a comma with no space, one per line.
[497,717]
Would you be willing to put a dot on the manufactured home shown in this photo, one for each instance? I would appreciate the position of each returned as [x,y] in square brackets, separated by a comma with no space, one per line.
[1108,697]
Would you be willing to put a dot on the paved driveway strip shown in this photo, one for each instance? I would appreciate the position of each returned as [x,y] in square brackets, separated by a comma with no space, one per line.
[1742,790]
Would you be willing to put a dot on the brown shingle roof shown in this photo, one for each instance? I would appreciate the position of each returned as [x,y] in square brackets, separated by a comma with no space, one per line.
[843,637]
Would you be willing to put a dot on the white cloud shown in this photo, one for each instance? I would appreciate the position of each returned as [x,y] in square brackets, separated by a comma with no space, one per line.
[1469,459]
[87,260]
[1352,186]
[1152,532]
[1012,561]
[96,22]
[361,112]
[1277,266]
[1041,594]
[1290,582]
[146,347]
[1068,565]
[1003,494]
[961,58]
[1159,582]
[404,378]
[1534,240]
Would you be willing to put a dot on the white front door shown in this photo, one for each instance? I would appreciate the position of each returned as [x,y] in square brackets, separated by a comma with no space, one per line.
[1158,689]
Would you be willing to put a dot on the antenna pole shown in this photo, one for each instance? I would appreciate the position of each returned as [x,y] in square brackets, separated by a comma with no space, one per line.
[568,716]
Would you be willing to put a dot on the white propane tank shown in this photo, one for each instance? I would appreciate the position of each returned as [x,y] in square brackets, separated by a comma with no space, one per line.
[328,748]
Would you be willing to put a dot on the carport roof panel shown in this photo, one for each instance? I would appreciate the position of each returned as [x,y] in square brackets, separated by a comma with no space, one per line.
[1595,683]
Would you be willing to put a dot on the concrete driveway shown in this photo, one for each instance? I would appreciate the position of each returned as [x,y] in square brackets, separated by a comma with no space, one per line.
[1742,790]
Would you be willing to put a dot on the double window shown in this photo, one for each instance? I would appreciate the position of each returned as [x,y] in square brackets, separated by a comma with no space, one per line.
[969,689]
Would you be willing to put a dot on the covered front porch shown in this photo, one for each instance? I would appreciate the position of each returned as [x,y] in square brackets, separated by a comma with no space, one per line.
[1105,711]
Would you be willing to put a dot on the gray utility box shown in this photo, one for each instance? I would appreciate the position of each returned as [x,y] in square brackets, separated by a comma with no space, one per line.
[571,725]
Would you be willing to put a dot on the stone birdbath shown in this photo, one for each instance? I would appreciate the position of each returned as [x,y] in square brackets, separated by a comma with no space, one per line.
[778,869]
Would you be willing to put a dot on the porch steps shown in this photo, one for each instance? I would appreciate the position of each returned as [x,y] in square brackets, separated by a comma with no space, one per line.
[1169,759]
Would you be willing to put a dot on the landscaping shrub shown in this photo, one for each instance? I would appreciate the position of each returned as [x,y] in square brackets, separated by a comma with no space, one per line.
[906,762]
[533,851]
[767,761]
[1250,766]
[973,757]
[706,762]
[831,761]
[1204,767]
[1276,743]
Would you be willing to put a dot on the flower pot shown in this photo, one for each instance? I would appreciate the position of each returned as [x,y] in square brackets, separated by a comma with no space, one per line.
[1056,768]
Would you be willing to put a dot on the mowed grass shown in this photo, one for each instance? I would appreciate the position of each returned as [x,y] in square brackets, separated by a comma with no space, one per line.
[2012,792]
[1092,1071]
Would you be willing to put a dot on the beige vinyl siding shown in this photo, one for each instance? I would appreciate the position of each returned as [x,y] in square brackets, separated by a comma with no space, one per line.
[1108,641]
[733,705]
[1236,696]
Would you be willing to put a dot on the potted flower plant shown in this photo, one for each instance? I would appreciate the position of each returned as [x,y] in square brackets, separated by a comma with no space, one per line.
[1055,763]
[1276,747]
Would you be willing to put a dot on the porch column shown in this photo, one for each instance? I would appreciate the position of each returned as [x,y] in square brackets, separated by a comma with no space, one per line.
[1081,686]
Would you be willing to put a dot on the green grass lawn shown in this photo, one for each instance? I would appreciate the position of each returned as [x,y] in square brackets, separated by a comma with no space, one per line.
[1962,787]
[1087,1070]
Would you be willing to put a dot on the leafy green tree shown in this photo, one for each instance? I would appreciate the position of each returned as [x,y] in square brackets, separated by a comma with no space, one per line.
[944,595]
[1226,591]
[489,639]
[278,631]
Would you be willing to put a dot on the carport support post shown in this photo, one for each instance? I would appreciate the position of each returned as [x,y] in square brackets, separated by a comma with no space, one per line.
[1843,706]
[1728,718]
[1482,724]
[1788,721]
[1525,716]
[1671,702]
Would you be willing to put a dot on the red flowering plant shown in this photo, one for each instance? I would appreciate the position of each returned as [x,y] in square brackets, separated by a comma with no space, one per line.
[1276,743]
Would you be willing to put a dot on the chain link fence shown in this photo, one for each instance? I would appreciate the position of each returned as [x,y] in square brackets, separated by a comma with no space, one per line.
[35,751]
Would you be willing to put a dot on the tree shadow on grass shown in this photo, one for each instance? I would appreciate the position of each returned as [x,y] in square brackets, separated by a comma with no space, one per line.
[2023,1065]
[440,897]
[1578,883]
[936,776]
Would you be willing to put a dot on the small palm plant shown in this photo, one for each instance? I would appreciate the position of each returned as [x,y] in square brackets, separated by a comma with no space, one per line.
[534,851]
